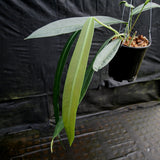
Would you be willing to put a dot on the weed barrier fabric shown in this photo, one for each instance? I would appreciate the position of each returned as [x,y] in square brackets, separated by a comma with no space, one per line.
[27,68]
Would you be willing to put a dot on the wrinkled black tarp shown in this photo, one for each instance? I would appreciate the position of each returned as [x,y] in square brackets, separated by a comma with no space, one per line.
[27,68]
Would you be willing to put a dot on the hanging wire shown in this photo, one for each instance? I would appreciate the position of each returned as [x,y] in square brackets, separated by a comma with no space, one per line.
[129,14]
[120,28]
[150,23]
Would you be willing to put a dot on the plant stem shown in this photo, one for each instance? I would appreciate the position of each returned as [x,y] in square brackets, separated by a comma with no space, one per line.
[106,26]
[130,19]
[138,16]
[132,38]
[129,24]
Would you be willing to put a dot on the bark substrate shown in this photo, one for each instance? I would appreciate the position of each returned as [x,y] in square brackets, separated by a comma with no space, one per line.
[137,41]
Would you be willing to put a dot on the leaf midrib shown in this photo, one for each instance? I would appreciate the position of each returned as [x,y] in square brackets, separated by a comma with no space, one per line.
[72,88]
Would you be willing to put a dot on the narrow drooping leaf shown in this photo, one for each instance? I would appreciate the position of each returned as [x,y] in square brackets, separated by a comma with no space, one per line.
[106,55]
[147,7]
[88,77]
[89,72]
[57,130]
[69,25]
[58,74]
[75,77]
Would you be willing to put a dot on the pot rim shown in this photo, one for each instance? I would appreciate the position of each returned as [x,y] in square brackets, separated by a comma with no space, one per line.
[136,47]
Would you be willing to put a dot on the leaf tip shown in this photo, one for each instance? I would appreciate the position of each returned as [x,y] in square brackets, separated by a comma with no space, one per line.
[52,145]
[28,37]
[70,134]
[95,68]
[71,141]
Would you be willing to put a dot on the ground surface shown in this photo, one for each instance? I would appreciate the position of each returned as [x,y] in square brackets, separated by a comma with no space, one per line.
[131,133]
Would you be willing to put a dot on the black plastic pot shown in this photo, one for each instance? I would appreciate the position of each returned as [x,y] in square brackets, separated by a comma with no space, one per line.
[126,63]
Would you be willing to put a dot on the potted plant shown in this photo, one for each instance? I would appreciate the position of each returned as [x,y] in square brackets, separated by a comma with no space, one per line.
[126,63]
[79,75]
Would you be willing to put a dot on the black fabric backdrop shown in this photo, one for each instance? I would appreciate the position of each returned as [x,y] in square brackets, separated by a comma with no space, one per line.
[27,68]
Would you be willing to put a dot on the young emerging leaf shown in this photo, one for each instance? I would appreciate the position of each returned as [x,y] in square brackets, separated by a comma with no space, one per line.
[69,25]
[106,55]
[146,7]
[127,4]
[75,77]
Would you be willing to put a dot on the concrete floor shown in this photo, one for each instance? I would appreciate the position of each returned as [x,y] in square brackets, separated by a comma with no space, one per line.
[129,133]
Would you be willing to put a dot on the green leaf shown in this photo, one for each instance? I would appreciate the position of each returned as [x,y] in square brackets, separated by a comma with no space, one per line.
[88,77]
[127,4]
[57,130]
[69,25]
[58,74]
[106,55]
[75,77]
[89,72]
[146,7]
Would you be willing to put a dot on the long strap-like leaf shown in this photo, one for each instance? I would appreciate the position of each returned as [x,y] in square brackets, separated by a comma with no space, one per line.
[88,77]
[75,77]
[58,74]
[89,72]
[69,25]
[106,55]
[147,7]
